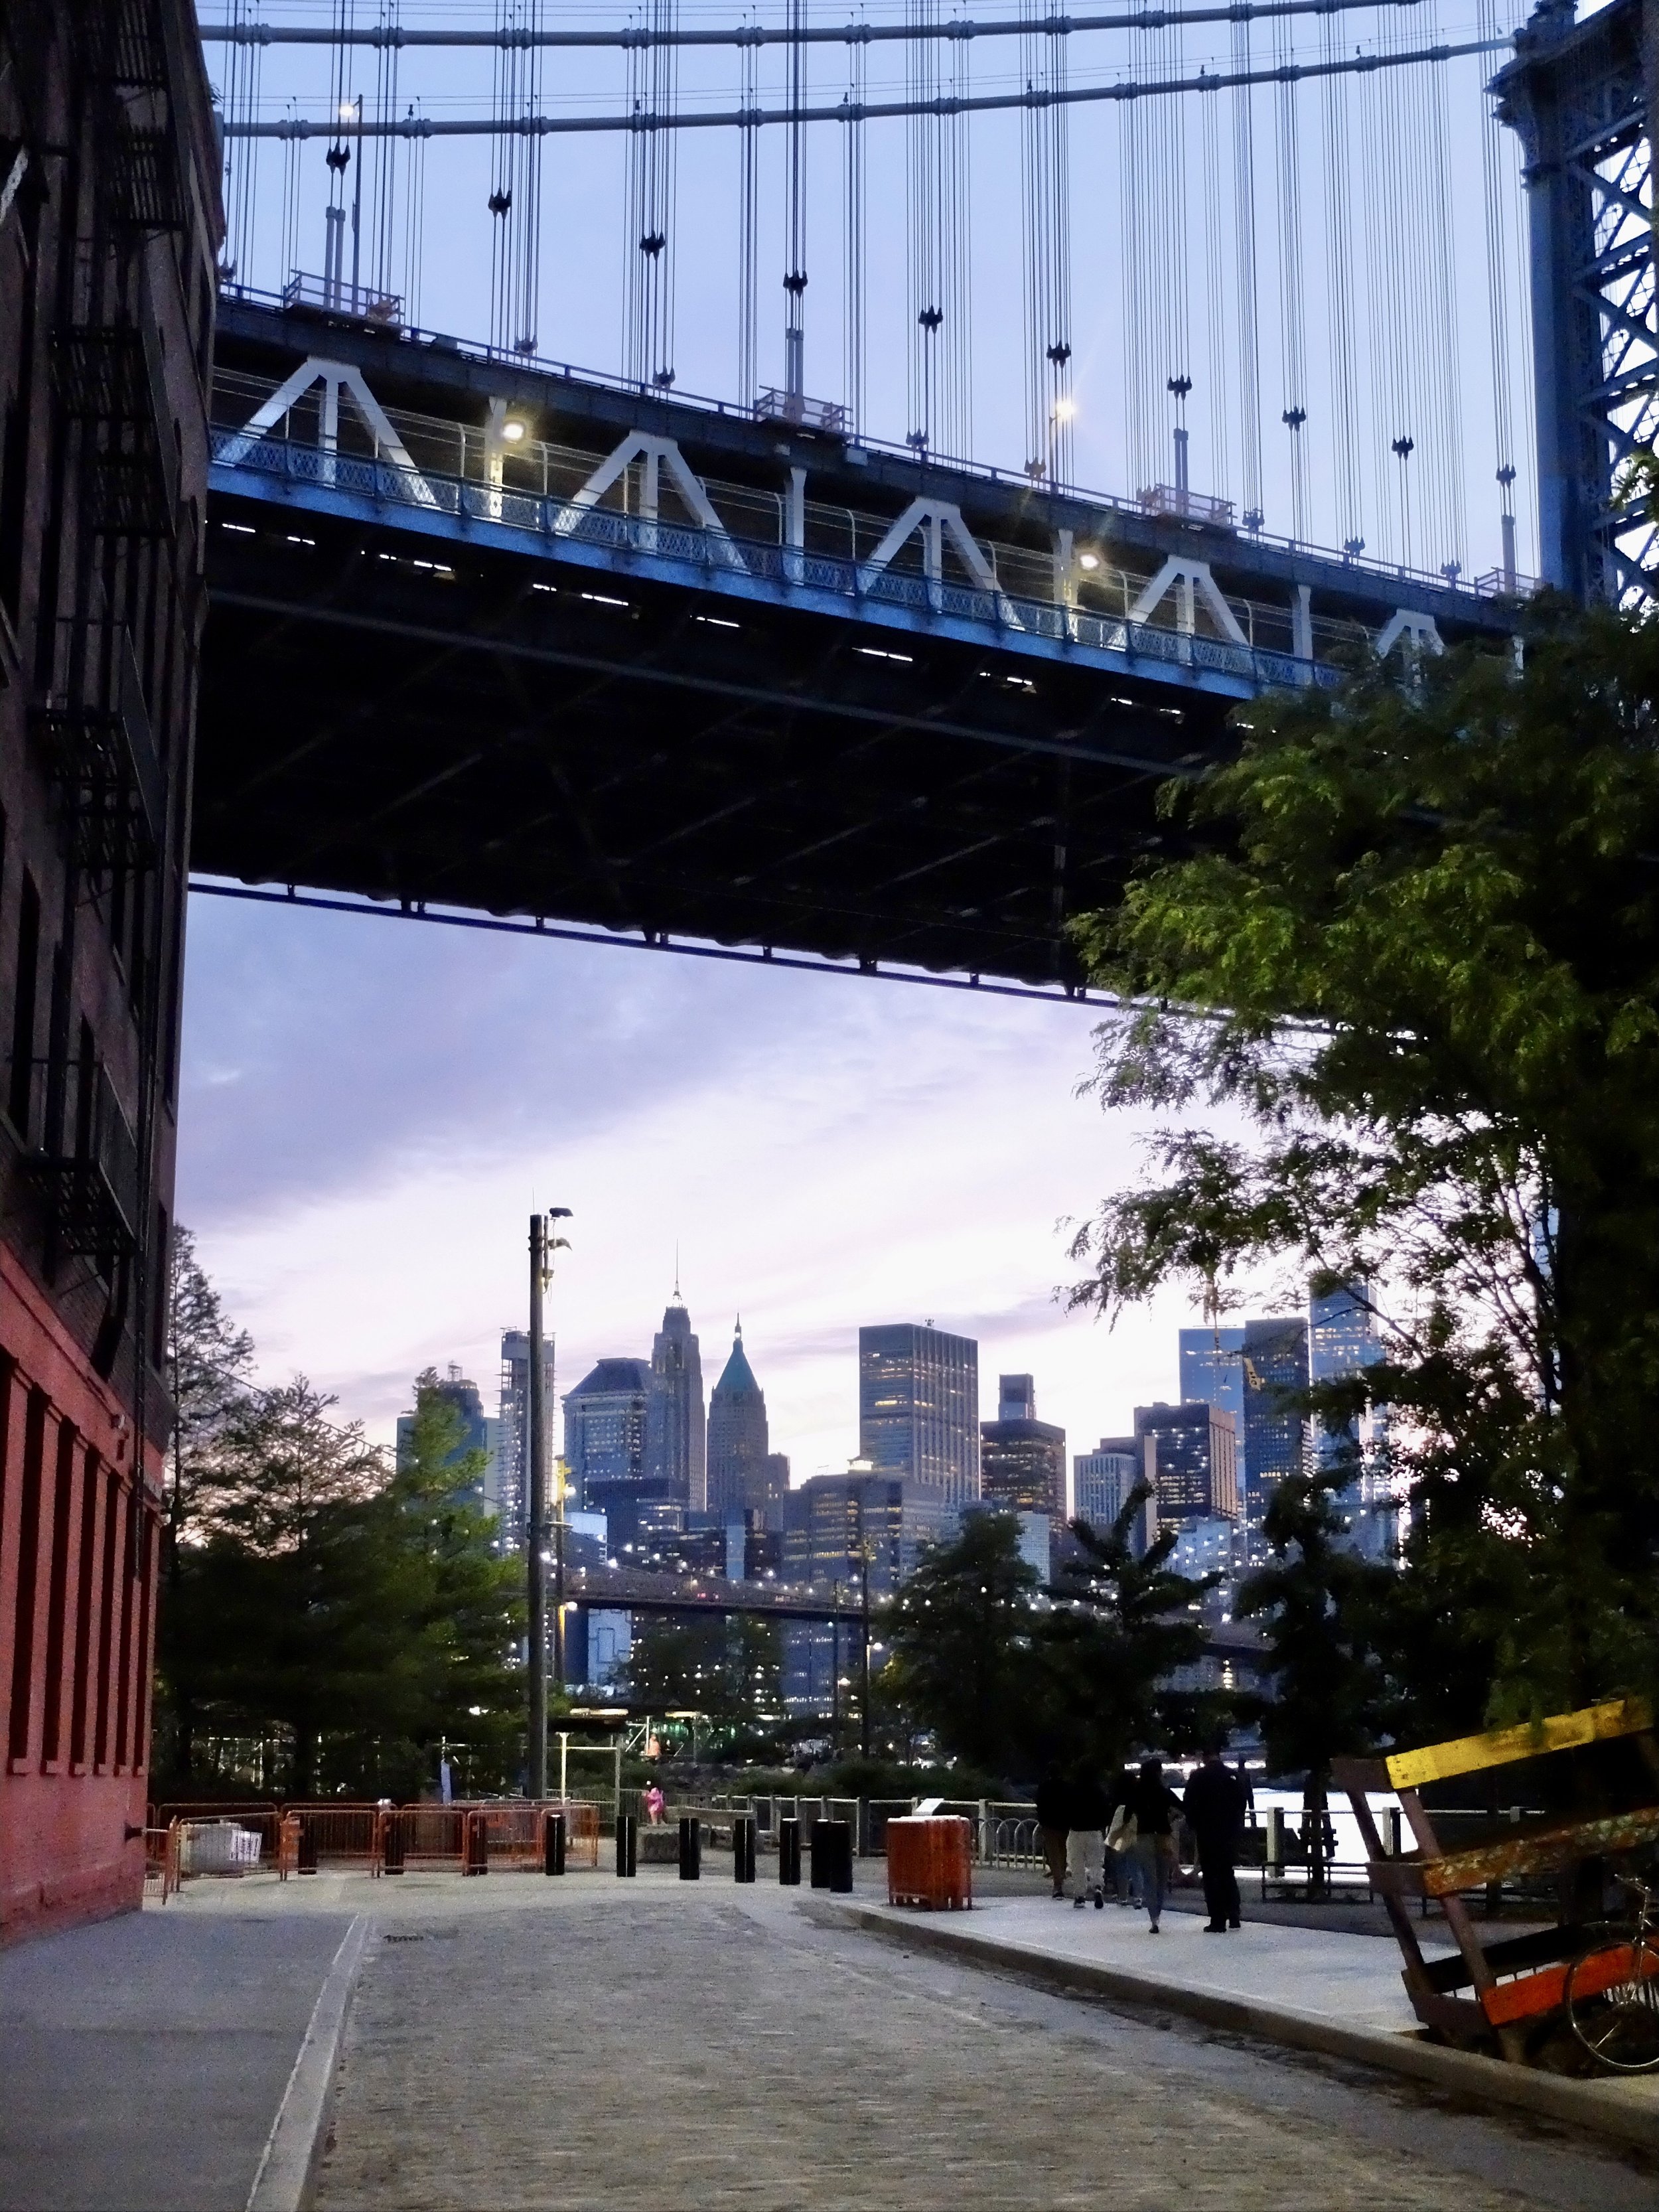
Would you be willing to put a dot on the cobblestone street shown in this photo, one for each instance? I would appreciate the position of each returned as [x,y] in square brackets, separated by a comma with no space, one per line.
[647,2044]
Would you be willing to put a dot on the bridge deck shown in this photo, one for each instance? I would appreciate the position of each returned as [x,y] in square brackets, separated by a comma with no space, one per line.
[707,699]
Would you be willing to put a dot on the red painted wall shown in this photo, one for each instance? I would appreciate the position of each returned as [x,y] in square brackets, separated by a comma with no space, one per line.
[77,1627]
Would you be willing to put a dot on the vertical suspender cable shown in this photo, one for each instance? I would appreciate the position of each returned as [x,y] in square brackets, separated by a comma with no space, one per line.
[748,218]
[1249,327]
[1496,209]
[1218,367]
[795,274]
[1338,280]
[955,255]
[1047,251]
[1292,310]
[1440,316]
[414,226]
[927,312]
[853,239]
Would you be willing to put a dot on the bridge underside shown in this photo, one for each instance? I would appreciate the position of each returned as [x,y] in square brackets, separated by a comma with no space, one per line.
[438,724]
[924,725]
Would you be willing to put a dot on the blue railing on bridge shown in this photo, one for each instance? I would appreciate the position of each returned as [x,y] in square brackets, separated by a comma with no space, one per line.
[713,553]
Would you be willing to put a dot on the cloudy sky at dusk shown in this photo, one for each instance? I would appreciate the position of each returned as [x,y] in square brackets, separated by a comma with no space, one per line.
[372,1108]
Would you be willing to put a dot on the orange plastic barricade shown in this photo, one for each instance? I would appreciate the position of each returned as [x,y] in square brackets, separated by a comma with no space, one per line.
[929,1861]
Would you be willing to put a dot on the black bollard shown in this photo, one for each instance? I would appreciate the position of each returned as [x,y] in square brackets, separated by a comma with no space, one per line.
[743,1847]
[837,1856]
[789,1854]
[392,1844]
[475,1844]
[818,1851]
[627,1843]
[306,1862]
[690,1847]
[553,1843]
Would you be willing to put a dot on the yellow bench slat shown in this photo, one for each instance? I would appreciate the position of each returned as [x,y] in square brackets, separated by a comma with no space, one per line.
[1470,1754]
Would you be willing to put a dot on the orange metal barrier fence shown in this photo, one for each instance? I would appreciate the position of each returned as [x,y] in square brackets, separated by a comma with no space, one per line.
[183,1841]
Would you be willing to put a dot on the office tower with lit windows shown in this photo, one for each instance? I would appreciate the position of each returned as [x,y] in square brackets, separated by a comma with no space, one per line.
[676,1439]
[919,1407]
[1021,1460]
[1275,1426]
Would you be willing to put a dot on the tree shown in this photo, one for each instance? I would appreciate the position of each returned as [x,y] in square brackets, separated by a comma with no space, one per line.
[1327,1614]
[359,1611]
[961,1634]
[209,1365]
[1121,1636]
[1412,947]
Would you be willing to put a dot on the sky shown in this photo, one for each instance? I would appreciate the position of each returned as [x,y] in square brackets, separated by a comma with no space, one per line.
[371,1110]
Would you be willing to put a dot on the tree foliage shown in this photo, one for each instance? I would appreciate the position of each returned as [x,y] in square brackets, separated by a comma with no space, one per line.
[1410,949]
[960,1630]
[356,1612]
[1117,1651]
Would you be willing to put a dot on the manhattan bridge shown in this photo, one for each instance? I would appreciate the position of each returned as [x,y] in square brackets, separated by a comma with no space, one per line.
[649,495]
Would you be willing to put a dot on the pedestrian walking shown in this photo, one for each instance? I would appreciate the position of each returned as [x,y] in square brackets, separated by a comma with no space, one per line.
[1214,1806]
[654,1801]
[1152,1805]
[1053,1819]
[1122,1863]
[1087,1810]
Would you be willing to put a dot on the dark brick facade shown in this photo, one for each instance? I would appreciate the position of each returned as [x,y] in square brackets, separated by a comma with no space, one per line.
[109,234]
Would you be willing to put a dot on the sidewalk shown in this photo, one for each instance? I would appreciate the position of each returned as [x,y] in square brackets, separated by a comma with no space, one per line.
[146,2057]
[1339,1995]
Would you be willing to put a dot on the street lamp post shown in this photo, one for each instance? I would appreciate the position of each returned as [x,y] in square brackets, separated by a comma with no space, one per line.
[543,1245]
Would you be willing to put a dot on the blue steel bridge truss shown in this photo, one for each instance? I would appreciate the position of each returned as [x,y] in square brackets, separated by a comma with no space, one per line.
[511,639]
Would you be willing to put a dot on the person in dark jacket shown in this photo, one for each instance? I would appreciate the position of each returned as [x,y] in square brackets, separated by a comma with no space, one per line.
[1154,1806]
[1089,1807]
[1053,1818]
[1215,1812]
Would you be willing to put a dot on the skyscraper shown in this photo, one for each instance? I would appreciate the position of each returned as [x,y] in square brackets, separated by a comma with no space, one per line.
[604,1449]
[1275,1429]
[738,1439]
[1343,1340]
[676,1439]
[919,1407]
[1195,1470]
[507,1482]
[1102,1481]
[1022,1464]
[1213,1370]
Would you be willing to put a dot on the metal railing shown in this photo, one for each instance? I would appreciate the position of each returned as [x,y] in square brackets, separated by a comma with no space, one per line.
[700,549]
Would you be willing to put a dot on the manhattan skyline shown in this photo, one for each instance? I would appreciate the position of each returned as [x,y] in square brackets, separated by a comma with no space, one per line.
[825,1152]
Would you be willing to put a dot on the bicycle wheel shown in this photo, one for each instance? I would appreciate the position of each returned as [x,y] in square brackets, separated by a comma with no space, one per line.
[1612,2004]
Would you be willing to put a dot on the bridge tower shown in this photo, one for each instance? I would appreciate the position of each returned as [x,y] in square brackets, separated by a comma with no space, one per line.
[1579,94]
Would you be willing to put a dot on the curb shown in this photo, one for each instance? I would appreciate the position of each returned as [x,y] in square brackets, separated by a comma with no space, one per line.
[283,2181]
[1586,2106]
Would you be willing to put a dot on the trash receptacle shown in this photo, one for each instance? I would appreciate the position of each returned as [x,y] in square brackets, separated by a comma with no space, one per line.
[789,1854]
[743,1847]
[690,1847]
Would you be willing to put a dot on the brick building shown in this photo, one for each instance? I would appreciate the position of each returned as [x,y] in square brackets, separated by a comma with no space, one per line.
[109,236]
